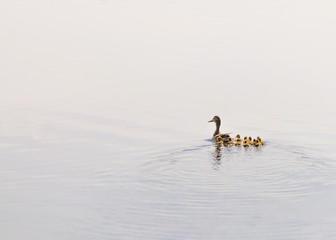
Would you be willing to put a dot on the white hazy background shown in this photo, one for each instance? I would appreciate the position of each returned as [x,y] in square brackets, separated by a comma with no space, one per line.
[268,54]
[97,97]
[183,61]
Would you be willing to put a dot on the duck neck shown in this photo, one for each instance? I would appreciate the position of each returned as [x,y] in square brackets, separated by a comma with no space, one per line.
[217,128]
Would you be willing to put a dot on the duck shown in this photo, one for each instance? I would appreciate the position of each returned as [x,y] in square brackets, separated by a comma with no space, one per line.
[217,133]
[260,141]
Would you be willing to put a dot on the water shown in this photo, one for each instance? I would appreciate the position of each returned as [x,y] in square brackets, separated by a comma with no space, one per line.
[104,129]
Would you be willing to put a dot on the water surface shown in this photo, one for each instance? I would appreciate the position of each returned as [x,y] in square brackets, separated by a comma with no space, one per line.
[104,129]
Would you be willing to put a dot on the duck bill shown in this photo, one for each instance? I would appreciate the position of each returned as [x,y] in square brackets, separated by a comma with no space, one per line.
[211,120]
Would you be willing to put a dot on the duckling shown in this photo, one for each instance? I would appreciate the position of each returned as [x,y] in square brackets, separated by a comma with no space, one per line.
[220,141]
[256,143]
[238,139]
[229,141]
[261,141]
[218,138]
[246,143]
[217,133]
[248,140]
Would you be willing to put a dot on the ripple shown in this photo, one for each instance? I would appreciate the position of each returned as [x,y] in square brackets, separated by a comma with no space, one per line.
[163,189]
[182,187]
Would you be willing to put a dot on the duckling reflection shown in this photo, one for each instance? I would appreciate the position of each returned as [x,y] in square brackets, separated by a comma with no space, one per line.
[216,164]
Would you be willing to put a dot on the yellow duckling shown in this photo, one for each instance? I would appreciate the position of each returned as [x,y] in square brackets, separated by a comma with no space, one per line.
[246,143]
[256,143]
[249,140]
[229,142]
[217,133]
[220,141]
[261,141]
[238,139]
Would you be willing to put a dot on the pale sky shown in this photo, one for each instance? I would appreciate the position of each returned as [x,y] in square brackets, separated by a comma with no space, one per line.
[140,53]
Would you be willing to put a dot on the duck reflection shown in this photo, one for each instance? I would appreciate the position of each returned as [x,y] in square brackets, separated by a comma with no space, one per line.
[217,156]
[217,153]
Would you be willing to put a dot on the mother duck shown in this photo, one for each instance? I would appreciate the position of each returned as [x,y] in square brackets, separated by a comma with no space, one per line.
[217,133]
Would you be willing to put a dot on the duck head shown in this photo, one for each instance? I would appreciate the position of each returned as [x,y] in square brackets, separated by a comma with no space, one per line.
[215,119]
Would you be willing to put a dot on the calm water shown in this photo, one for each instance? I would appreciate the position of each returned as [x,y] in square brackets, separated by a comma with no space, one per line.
[104,129]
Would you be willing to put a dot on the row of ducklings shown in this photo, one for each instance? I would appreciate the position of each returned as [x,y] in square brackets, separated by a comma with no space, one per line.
[247,142]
